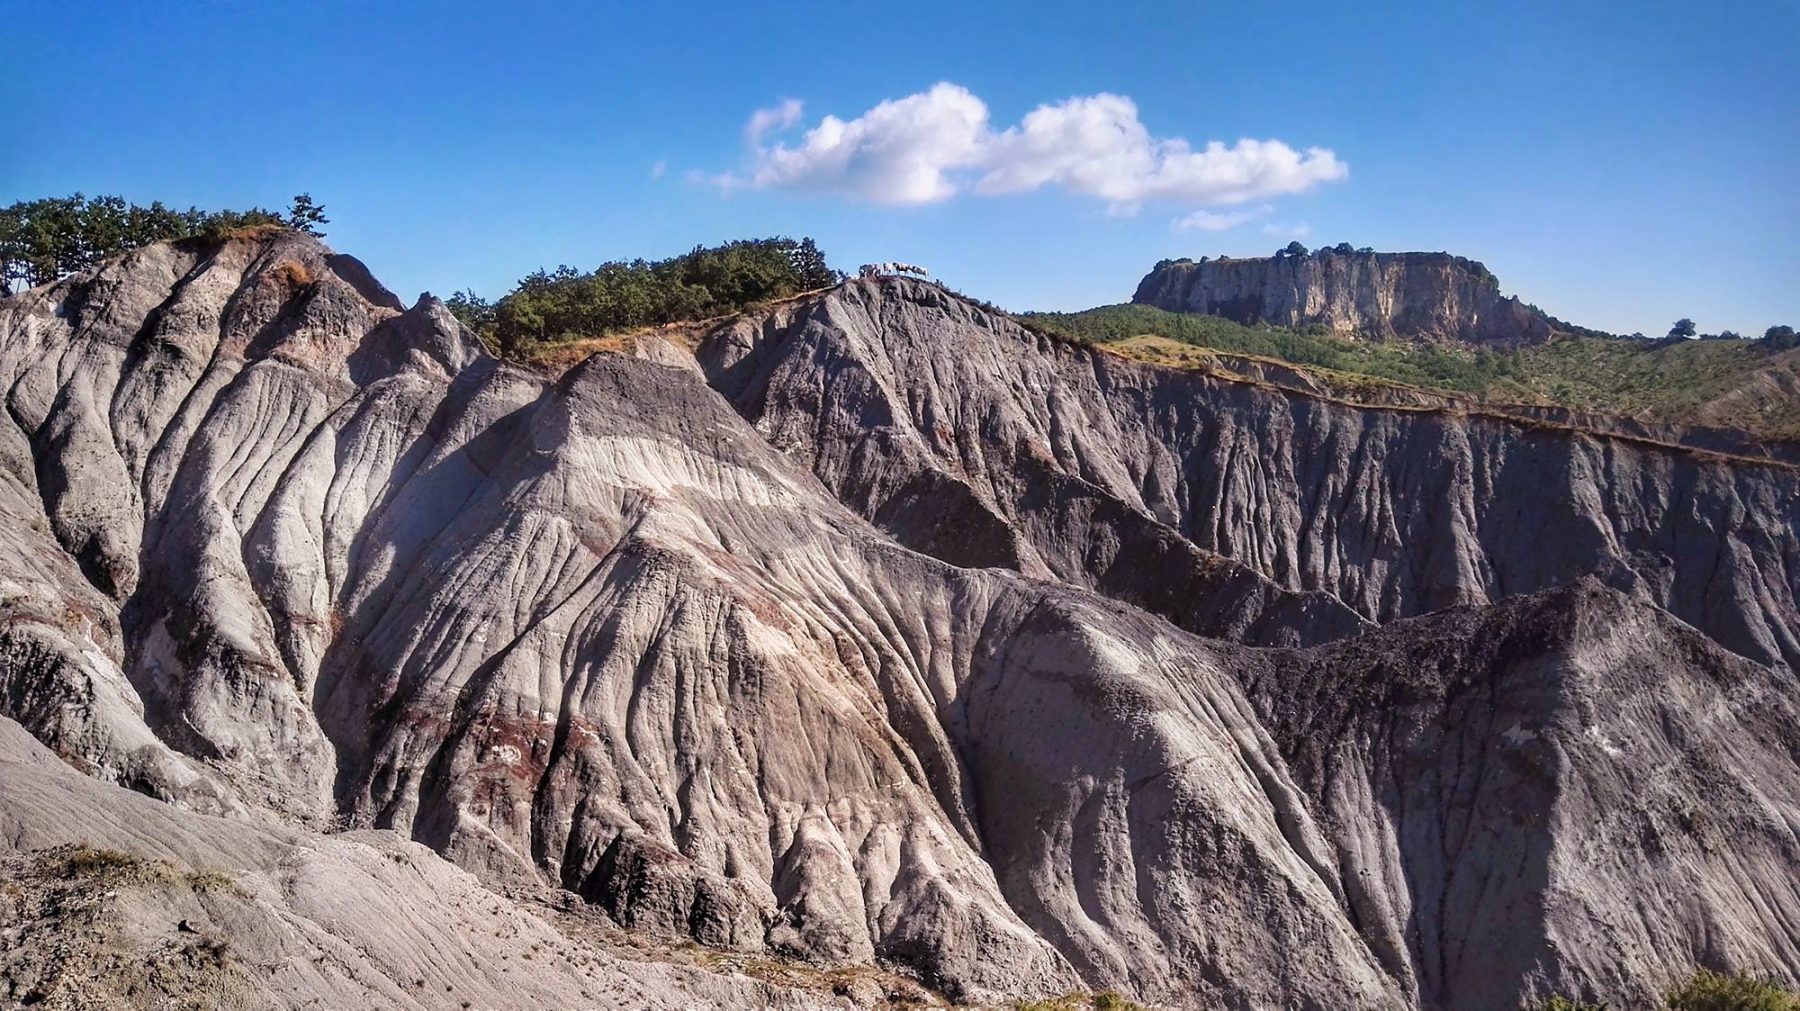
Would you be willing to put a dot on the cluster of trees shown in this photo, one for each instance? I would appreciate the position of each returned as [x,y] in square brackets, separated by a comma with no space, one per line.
[564,304]
[42,240]
[1295,248]
[1782,337]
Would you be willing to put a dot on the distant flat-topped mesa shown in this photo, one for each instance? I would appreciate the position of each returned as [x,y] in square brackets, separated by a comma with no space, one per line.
[1418,296]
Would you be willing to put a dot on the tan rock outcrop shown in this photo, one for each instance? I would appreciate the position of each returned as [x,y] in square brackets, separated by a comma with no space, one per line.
[1417,296]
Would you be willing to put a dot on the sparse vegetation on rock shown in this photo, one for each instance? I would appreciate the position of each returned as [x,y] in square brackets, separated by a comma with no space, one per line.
[1752,385]
[1716,991]
[1105,1000]
[1561,1003]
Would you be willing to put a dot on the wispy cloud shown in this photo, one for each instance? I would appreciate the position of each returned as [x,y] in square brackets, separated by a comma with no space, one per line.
[778,117]
[1219,221]
[658,170]
[1287,229]
[933,145]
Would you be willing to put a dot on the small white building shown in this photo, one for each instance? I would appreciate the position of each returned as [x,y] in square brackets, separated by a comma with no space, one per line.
[889,268]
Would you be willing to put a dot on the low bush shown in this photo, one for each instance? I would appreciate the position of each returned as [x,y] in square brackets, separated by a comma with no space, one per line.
[1106,1000]
[1713,991]
[1561,1003]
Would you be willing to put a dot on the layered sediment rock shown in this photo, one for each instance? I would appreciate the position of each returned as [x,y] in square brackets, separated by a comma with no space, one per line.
[1421,296]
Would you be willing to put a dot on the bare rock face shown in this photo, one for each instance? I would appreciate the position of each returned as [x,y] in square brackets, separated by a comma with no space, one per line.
[968,439]
[1077,456]
[870,632]
[1501,784]
[1420,296]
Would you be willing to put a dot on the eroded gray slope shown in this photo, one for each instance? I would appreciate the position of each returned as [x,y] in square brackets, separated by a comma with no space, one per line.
[929,416]
[1567,793]
[598,630]
[115,901]
[714,703]
[603,632]
[903,398]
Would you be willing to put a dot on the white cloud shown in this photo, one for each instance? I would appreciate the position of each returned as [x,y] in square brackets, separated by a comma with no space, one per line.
[1219,221]
[899,152]
[778,117]
[1287,229]
[1091,145]
[659,169]
[930,146]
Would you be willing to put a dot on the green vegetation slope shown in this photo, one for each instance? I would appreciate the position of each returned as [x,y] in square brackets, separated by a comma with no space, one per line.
[548,308]
[1748,384]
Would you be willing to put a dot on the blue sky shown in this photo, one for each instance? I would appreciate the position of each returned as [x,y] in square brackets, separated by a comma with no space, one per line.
[1618,164]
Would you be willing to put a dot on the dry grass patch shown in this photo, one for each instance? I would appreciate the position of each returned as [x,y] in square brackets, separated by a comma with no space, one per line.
[292,274]
[1105,1000]
[115,869]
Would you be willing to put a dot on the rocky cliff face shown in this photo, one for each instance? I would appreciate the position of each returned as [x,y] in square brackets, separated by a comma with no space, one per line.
[1417,296]
[876,629]
[1076,455]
